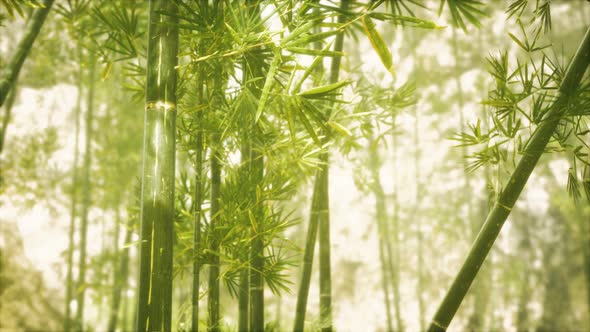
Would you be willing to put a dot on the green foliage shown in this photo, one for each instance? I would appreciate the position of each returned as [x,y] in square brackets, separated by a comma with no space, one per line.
[18,7]
[464,10]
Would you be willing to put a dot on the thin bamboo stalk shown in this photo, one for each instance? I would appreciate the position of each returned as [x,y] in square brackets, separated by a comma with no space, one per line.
[255,166]
[213,299]
[121,276]
[383,235]
[74,205]
[586,239]
[198,198]
[308,253]
[86,197]
[394,257]
[511,192]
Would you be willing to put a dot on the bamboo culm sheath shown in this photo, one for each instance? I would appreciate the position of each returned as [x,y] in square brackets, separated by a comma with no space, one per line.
[506,200]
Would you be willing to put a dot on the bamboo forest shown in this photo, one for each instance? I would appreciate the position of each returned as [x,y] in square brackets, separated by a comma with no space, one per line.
[295,165]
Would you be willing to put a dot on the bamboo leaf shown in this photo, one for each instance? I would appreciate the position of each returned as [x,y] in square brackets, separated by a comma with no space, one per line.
[268,83]
[106,70]
[308,51]
[379,44]
[339,128]
[323,90]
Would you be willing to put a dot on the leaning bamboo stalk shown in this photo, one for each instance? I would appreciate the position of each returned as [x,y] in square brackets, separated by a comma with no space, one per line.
[506,200]
[11,70]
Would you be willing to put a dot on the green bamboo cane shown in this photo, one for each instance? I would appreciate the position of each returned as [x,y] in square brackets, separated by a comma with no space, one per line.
[213,304]
[157,198]
[506,200]
[308,254]
[10,72]
[255,176]
[121,275]
[72,226]
[324,203]
[382,233]
[198,198]
[86,197]
[213,299]
[319,215]
[586,186]
[395,257]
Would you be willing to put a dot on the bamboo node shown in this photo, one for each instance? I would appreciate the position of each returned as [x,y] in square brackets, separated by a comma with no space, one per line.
[434,322]
[503,206]
[160,104]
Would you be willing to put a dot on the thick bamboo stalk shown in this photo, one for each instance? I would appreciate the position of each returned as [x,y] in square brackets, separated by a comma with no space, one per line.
[157,199]
[86,197]
[11,70]
[511,192]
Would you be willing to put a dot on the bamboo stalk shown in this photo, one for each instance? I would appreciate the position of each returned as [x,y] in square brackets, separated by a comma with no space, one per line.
[10,72]
[213,299]
[157,199]
[511,192]
[255,176]
[420,235]
[586,239]
[383,235]
[121,275]
[395,271]
[86,197]
[308,253]
[198,198]
[72,227]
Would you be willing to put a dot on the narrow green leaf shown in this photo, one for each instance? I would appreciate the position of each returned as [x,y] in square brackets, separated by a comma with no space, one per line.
[379,44]
[323,90]
[308,51]
[339,128]
[268,83]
